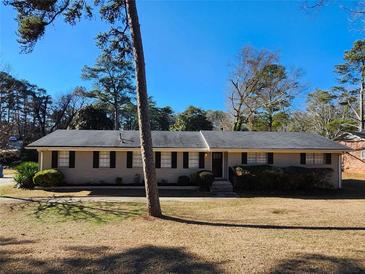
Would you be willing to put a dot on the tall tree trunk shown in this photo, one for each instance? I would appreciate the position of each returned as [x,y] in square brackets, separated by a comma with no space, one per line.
[270,121]
[116,117]
[361,104]
[153,201]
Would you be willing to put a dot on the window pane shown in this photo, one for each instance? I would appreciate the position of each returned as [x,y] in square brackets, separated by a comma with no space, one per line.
[63,159]
[318,159]
[256,158]
[362,154]
[137,159]
[261,158]
[310,159]
[165,159]
[251,158]
[193,159]
[104,159]
[315,159]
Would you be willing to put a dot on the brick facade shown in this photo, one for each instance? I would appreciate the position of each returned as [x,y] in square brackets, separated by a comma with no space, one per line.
[351,161]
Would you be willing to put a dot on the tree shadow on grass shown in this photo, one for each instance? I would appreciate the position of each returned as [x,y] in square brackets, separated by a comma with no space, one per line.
[101,259]
[13,241]
[66,210]
[261,226]
[351,190]
[317,263]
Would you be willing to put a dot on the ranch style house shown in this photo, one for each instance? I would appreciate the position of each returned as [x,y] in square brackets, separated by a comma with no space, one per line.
[102,156]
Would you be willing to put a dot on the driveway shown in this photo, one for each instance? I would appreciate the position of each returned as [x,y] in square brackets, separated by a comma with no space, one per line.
[6,180]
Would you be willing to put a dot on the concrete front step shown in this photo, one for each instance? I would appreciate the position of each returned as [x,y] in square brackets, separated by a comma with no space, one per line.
[222,186]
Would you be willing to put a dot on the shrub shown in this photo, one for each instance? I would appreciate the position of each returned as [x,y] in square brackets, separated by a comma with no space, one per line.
[25,173]
[194,177]
[307,178]
[183,180]
[274,178]
[48,178]
[163,182]
[203,178]
[137,179]
[119,181]
[206,179]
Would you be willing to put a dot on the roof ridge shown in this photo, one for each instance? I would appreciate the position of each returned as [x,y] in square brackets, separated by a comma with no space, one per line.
[205,141]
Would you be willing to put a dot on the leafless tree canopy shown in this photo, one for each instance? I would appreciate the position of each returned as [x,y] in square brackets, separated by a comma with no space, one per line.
[244,83]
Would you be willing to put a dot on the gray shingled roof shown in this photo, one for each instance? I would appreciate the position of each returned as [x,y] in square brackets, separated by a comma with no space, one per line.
[269,140]
[188,139]
[115,138]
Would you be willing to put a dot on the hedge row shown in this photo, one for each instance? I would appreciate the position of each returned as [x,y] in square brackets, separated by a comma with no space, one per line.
[274,178]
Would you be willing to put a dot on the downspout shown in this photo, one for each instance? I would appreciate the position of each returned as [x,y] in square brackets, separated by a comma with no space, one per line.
[340,171]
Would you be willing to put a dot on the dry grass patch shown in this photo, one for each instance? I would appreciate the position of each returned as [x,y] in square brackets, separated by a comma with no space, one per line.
[246,235]
[8,172]
[13,191]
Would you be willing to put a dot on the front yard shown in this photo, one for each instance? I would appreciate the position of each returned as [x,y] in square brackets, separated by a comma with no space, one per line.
[244,235]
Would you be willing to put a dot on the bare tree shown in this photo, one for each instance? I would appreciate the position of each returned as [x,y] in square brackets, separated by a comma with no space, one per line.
[355,9]
[220,120]
[245,81]
[65,109]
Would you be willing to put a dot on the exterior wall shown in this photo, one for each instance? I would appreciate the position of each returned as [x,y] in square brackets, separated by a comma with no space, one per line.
[351,161]
[84,173]
[293,159]
[44,159]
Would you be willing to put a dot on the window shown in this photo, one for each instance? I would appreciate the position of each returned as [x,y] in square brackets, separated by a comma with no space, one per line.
[63,159]
[256,158]
[137,159]
[362,154]
[104,159]
[193,159]
[165,159]
[315,159]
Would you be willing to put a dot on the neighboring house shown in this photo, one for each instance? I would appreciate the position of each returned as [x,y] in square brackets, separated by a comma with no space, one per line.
[100,156]
[353,161]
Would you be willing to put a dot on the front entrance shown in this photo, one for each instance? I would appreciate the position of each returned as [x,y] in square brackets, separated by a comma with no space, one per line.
[217,163]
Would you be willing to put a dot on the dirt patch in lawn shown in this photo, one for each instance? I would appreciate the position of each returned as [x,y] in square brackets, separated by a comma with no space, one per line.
[246,235]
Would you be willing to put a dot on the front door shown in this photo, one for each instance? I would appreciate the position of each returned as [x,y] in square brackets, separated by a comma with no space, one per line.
[217,161]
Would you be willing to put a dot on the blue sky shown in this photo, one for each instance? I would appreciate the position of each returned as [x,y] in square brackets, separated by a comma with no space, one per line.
[189,47]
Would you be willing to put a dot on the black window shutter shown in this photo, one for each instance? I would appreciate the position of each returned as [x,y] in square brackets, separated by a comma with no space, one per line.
[201,159]
[186,160]
[129,159]
[173,159]
[96,159]
[112,159]
[54,159]
[71,157]
[244,158]
[157,159]
[328,158]
[303,158]
[270,158]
